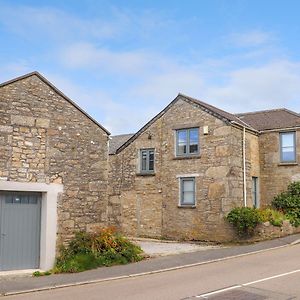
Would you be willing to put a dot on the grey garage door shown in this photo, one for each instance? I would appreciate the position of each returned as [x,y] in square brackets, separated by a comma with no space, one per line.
[20,219]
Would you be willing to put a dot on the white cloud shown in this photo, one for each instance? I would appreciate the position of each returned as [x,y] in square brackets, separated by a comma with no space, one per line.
[11,70]
[47,22]
[115,116]
[123,85]
[163,87]
[87,56]
[272,85]
[252,38]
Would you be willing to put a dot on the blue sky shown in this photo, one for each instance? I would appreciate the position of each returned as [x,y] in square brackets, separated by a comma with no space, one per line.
[123,61]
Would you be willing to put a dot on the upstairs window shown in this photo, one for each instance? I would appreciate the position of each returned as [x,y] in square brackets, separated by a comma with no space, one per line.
[288,147]
[187,142]
[147,161]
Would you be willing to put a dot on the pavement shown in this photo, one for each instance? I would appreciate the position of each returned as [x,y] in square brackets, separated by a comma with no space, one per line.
[10,285]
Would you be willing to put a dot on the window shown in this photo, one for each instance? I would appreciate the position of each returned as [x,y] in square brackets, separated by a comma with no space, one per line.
[288,147]
[21,198]
[187,142]
[255,194]
[147,161]
[187,191]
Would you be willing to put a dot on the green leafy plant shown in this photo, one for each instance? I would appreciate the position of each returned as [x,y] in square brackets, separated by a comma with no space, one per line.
[273,216]
[39,273]
[244,219]
[104,247]
[289,203]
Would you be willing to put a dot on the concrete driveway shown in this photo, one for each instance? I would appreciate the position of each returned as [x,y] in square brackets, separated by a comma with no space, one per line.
[155,248]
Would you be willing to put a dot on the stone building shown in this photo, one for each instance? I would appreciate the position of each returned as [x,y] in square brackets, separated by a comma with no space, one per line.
[181,173]
[53,172]
[177,177]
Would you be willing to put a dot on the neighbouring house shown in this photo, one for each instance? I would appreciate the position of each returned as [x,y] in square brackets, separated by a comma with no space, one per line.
[53,172]
[177,177]
[181,173]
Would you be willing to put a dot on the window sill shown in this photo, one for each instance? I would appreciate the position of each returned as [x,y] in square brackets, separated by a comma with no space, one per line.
[187,206]
[145,174]
[187,157]
[288,164]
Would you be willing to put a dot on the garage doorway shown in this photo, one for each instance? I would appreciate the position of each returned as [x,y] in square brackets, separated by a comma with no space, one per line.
[20,226]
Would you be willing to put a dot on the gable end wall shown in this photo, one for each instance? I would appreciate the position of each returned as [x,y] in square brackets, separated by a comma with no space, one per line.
[45,139]
[148,205]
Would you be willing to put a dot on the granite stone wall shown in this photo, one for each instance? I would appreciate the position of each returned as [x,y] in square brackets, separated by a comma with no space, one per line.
[148,205]
[44,138]
[275,176]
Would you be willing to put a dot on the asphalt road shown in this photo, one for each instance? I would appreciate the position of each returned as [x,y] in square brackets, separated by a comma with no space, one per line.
[273,274]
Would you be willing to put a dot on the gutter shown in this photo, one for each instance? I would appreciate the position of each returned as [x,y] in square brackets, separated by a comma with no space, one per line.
[280,129]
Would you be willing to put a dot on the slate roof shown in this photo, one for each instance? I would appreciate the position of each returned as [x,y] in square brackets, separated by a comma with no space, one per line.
[253,121]
[46,81]
[271,119]
[116,141]
[218,113]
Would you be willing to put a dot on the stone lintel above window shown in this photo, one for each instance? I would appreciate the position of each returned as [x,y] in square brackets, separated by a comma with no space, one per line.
[186,126]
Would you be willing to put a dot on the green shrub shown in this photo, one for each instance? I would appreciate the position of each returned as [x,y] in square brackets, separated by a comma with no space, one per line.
[77,263]
[38,273]
[275,217]
[289,203]
[103,247]
[244,219]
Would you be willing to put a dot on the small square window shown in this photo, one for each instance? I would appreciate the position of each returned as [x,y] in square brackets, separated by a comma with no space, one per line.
[187,142]
[187,191]
[288,147]
[147,161]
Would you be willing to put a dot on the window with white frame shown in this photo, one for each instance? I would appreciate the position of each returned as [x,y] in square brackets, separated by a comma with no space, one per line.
[187,142]
[147,161]
[288,146]
[187,191]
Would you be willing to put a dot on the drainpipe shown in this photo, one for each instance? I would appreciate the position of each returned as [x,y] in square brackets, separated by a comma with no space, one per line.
[244,162]
[244,166]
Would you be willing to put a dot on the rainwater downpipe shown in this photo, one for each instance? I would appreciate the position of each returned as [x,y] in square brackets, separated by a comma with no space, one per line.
[244,163]
[244,166]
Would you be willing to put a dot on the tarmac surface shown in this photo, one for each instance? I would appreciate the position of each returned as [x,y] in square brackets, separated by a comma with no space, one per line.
[21,284]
